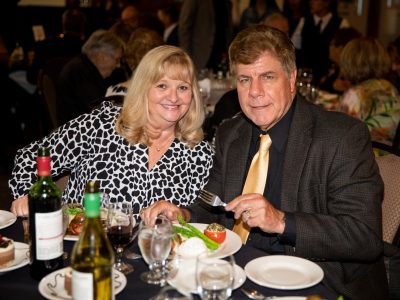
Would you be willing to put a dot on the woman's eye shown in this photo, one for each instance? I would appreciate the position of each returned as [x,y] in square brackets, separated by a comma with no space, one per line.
[184,88]
[162,86]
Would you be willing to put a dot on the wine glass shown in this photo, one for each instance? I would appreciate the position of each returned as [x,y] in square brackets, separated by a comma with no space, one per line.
[214,277]
[155,246]
[121,230]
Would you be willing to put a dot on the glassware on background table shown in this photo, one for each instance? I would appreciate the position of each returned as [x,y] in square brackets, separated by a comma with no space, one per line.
[304,81]
[155,246]
[214,277]
[121,231]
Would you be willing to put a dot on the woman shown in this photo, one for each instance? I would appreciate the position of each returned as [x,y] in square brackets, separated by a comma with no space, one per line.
[149,150]
[371,98]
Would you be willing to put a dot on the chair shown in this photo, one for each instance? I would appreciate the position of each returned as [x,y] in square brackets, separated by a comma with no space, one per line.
[389,166]
[47,85]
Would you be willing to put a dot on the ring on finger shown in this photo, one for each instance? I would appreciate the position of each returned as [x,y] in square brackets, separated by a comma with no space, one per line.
[247,214]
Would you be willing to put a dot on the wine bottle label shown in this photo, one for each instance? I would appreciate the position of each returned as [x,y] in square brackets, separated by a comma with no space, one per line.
[82,285]
[49,235]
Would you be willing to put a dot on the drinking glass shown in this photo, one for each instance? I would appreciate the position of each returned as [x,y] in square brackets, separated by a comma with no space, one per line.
[214,277]
[304,81]
[121,230]
[155,246]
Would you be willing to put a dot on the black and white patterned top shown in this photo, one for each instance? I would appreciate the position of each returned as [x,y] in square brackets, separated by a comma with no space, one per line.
[90,149]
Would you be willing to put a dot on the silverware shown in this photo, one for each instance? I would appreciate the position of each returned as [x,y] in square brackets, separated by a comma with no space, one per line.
[210,198]
[253,294]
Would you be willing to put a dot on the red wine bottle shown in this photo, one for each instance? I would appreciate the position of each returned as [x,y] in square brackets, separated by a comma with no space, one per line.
[45,221]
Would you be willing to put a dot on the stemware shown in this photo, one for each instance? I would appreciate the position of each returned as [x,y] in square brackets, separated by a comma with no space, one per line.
[214,277]
[121,230]
[155,246]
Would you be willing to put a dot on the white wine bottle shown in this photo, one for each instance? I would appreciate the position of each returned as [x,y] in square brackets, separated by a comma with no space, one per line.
[92,256]
[45,221]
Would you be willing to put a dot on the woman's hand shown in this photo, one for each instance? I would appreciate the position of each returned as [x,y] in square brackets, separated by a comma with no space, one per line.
[19,206]
[164,208]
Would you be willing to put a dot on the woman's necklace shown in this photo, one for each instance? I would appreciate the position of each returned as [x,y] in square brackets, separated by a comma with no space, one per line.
[162,145]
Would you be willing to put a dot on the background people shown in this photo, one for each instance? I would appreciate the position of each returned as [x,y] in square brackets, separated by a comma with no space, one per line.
[83,79]
[371,98]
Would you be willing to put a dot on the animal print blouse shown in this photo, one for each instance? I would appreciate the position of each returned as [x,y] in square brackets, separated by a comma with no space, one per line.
[90,149]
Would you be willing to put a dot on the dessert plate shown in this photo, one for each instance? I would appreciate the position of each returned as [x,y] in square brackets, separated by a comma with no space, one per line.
[7,218]
[52,286]
[284,272]
[21,257]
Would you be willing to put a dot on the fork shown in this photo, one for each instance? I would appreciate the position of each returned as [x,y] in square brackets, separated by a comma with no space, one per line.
[210,198]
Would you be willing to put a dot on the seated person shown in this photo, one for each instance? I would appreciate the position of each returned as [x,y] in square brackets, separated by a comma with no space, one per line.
[83,79]
[321,199]
[371,98]
[333,81]
[149,150]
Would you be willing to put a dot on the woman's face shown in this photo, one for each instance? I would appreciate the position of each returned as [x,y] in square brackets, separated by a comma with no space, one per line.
[169,101]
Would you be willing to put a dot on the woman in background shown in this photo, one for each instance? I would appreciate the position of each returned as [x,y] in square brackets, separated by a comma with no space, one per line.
[371,98]
[149,150]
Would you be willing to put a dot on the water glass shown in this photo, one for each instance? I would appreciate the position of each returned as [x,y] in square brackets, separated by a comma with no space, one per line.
[155,246]
[214,277]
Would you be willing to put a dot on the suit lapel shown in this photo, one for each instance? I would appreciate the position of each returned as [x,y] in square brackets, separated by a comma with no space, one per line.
[236,161]
[299,141]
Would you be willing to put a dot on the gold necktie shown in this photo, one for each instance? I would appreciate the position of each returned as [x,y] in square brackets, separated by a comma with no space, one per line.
[255,181]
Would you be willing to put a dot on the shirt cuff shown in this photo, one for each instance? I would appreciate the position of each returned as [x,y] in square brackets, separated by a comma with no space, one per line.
[288,237]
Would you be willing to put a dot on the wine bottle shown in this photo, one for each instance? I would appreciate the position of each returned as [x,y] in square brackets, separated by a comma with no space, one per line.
[92,256]
[45,221]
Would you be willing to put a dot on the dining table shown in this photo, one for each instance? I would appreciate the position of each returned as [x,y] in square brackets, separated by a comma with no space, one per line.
[17,284]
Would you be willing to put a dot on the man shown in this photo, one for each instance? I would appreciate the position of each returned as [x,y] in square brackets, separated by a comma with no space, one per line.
[322,195]
[83,80]
[314,33]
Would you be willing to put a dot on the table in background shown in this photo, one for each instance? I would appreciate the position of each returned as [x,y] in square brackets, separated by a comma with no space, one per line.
[17,284]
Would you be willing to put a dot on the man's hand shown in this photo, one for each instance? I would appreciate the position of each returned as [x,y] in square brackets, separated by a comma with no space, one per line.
[19,206]
[256,211]
[165,208]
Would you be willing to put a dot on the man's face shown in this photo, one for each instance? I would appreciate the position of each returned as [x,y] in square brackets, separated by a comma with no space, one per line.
[265,92]
[319,7]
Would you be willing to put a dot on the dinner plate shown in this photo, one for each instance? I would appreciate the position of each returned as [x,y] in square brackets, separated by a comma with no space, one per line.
[185,279]
[231,245]
[284,272]
[7,218]
[71,237]
[21,257]
[52,285]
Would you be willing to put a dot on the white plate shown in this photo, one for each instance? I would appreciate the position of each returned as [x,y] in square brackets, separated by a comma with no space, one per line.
[71,237]
[284,272]
[290,298]
[7,218]
[21,257]
[185,280]
[52,286]
[230,246]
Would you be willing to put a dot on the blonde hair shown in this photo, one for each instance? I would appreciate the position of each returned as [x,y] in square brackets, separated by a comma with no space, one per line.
[364,58]
[134,117]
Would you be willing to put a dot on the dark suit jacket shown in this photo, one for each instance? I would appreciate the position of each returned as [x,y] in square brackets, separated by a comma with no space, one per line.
[332,185]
